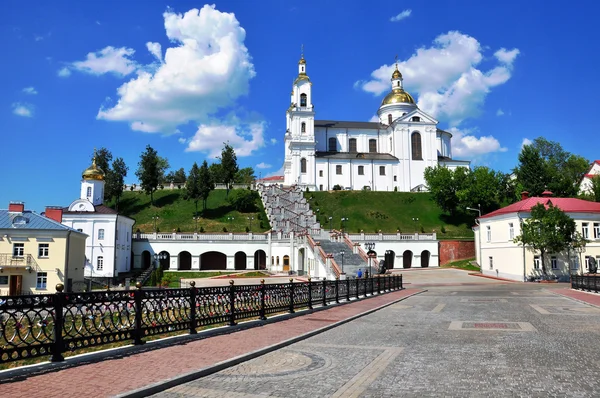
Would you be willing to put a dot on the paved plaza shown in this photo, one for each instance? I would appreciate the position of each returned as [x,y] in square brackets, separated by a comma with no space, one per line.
[490,339]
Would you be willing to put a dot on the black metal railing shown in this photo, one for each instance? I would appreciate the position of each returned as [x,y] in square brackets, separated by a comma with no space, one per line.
[590,283]
[52,324]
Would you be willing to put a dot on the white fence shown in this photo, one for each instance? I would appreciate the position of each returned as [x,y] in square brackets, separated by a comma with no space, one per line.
[391,237]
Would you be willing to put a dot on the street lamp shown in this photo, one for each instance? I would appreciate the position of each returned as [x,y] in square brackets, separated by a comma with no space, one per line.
[330,220]
[478,210]
[388,260]
[155,219]
[250,219]
[415,220]
[344,220]
[342,253]
[158,257]
[196,218]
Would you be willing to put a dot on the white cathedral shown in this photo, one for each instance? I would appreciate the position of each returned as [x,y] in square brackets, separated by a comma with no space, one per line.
[379,156]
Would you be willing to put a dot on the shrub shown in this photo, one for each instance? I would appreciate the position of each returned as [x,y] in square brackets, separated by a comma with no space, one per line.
[243,200]
[422,230]
[395,189]
[202,229]
[337,187]
[247,229]
[443,229]
[224,229]
[261,225]
[178,229]
[307,190]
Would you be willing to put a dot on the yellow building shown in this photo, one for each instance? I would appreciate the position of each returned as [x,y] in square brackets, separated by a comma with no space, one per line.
[37,252]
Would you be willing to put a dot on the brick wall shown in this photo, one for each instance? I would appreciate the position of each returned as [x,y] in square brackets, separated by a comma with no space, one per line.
[453,250]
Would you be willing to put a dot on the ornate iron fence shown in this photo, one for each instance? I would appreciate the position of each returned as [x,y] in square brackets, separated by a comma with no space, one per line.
[591,283]
[52,324]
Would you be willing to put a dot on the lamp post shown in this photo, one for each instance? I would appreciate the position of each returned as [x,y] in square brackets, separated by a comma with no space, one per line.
[330,220]
[342,253]
[196,218]
[155,219]
[344,220]
[250,219]
[478,210]
[415,220]
[158,257]
[387,258]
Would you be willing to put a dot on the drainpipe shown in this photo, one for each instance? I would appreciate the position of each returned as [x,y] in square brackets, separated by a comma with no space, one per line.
[67,261]
[115,247]
[524,265]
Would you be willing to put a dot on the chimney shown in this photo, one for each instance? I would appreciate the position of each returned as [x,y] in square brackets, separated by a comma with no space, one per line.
[547,194]
[54,213]
[524,195]
[16,207]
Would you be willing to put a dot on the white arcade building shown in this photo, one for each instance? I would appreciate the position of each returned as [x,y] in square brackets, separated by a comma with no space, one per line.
[108,248]
[380,156]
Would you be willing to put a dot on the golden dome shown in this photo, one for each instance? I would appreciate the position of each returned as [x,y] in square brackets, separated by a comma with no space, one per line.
[397,96]
[396,74]
[302,61]
[301,77]
[93,172]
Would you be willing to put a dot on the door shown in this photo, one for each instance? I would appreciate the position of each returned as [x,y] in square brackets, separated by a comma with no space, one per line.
[15,286]
[286,263]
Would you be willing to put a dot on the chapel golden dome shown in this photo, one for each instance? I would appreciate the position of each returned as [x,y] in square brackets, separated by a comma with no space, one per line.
[302,60]
[93,172]
[397,96]
[396,74]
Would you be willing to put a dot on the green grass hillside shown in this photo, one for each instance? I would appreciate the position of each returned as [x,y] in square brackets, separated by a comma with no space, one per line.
[175,212]
[388,212]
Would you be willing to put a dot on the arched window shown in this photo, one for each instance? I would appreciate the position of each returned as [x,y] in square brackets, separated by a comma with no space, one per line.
[415,141]
[352,144]
[416,119]
[302,99]
[390,119]
[373,145]
[332,144]
[88,192]
[303,165]
[303,127]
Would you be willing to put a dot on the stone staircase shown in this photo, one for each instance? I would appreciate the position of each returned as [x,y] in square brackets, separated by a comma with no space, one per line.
[288,210]
[352,262]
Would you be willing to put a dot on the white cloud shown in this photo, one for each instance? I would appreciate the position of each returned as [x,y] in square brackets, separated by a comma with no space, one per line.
[276,172]
[30,90]
[404,14]
[64,72]
[445,77]
[108,60]
[22,109]
[182,140]
[374,119]
[155,50]
[526,141]
[273,141]
[98,23]
[244,138]
[205,71]
[466,145]
[263,165]
[499,112]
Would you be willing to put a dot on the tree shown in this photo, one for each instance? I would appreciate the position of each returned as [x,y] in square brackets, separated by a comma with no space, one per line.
[442,186]
[193,185]
[229,166]
[532,171]
[117,180]
[243,200]
[163,166]
[215,171]
[150,170]
[206,183]
[103,157]
[595,188]
[245,176]
[179,176]
[480,187]
[548,230]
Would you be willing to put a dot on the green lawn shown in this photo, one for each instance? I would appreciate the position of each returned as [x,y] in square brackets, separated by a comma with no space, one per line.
[462,264]
[196,275]
[388,212]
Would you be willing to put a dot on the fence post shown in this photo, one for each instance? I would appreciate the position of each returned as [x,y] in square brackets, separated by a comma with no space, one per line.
[263,291]
[337,292]
[231,303]
[324,292]
[137,298]
[310,306]
[357,288]
[378,284]
[58,347]
[371,282]
[193,307]
[291,295]
[347,289]
[401,285]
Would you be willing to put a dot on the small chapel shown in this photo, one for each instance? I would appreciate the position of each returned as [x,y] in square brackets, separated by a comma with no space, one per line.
[386,155]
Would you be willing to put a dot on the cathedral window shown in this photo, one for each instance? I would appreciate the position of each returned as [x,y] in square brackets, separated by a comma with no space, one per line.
[415,119]
[352,143]
[361,170]
[390,119]
[373,146]
[100,263]
[101,234]
[415,141]
[338,170]
[332,144]
[381,170]
[88,192]
[303,165]
[302,99]
[303,127]
[320,173]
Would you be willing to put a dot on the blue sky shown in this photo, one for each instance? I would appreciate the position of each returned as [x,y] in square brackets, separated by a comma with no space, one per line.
[184,77]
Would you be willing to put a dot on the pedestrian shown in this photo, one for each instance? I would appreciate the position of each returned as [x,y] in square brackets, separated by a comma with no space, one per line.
[359,273]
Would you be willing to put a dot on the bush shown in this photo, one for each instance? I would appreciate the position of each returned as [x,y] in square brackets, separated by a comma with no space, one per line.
[247,229]
[316,203]
[224,229]
[201,229]
[261,225]
[243,200]
[307,190]
[443,229]
[178,229]
[422,230]
[395,189]
[337,187]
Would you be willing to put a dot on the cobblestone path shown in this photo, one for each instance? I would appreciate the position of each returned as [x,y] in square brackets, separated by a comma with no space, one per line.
[502,340]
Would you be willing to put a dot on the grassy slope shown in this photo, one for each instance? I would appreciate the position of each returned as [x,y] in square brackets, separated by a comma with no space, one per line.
[176,212]
[463,264]
[387,211]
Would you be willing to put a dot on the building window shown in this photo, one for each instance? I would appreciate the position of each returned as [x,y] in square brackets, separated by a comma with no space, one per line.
[320,187]
[100,263]
[101,234]
[536,262]
[352,145]
[415,119]
[361,170]
[489,233]
[302,99]
[511,231]
[88,192]
[79,230]
[18,249]
[390,119]
[42,280]
[277,259]
[381,170]
[332,144]
[587,261]
[596,230]
[320,173]
[584,230]
[43,249]
[4,280]
[303,127]
[574,262]
[554,262]
[372,146]
[491,259]
[127,236]
[395,178]
[272,260]
[338,170]
[415,141]
[303,166]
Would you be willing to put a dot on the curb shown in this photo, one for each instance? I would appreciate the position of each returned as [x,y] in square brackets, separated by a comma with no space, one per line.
[196,374]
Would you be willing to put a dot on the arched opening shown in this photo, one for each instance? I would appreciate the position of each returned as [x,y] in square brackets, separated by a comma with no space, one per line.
[260,259]
[301,262]
[415,141]
[390,119]
[303,127]
[390,256]
[240,260]
[303,165]
[184,261]
[146,259]
[407,259]
[302,99]
[425,255]
[165,261]
[213,260]
[286,263]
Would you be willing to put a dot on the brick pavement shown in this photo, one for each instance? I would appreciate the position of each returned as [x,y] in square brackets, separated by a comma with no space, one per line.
[117,376]
[589,298]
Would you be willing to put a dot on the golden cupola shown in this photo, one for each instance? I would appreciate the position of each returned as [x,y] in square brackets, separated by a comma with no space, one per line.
[397,95]
[93,172]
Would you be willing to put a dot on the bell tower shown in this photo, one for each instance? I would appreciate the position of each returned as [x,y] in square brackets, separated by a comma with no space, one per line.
[92,183]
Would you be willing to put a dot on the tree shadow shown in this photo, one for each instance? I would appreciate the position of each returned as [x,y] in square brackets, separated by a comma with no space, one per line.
[129,206]
[457,219]
[168,199]
[216,213]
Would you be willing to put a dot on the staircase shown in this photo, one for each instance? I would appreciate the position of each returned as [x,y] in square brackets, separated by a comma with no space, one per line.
[352,262]
[288,210]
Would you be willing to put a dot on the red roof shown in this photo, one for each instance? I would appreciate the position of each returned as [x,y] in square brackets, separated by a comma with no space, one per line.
[568,205]
[273,178]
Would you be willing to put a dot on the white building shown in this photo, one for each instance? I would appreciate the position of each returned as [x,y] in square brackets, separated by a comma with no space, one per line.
[381,156]
[108,246]
[499,256]
[585,186]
